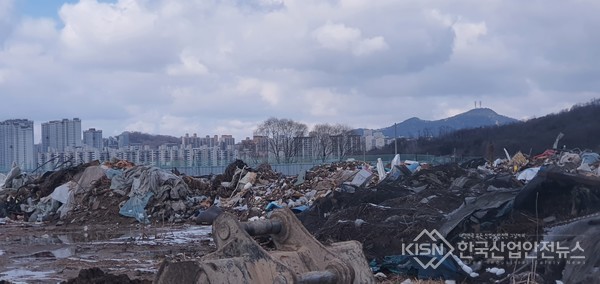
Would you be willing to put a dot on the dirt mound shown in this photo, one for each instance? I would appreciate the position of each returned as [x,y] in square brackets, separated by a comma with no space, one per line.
[97,276]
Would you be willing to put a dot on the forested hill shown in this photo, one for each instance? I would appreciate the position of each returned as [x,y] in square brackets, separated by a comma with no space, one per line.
[580,124]
[153,140]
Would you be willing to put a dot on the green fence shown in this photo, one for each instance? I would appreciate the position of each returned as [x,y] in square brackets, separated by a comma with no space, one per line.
[297,167]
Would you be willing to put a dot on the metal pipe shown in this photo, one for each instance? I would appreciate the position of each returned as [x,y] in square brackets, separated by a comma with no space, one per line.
[318,277]
[262,227]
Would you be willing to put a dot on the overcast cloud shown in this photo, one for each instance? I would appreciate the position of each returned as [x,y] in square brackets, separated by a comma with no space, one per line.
[223,66]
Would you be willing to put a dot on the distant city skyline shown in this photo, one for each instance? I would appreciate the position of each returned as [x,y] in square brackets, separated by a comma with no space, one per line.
[64,142]
[117,132]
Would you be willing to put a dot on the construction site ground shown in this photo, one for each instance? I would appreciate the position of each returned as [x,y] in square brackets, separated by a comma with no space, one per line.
[42,253]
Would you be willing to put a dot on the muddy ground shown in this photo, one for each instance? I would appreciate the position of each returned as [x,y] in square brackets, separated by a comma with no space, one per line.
[47,253]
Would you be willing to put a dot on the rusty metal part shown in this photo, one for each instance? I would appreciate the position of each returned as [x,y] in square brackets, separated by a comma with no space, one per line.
[299,257]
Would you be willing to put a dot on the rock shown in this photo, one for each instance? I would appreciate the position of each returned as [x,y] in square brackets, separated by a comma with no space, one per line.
[550,219]
[380,276]
[178,206]
[207,216]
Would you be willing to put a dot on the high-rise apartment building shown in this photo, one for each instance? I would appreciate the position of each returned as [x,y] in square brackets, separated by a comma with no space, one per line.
[227,142]
[16,143]
[57,135]
[93,138]
[124,140]
[194,141]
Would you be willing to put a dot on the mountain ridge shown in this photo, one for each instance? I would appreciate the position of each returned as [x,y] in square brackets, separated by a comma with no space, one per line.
[415,127]
[578,124]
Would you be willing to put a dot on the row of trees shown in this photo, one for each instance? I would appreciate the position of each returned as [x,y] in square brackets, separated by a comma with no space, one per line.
[286,137]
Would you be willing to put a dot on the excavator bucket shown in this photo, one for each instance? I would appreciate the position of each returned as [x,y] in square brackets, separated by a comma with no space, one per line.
[299,257]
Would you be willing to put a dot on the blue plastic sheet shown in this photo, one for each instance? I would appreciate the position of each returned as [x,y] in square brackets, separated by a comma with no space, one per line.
[273,205]
[134,207]
[407,265]
[299,209]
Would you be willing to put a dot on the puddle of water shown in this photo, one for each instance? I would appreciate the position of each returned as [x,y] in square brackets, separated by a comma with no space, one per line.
[63,252]
[25,275]
[43,240]
[176,237]
[189,235]
[43,250]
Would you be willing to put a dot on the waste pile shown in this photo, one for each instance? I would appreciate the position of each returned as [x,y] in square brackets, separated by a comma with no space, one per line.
[100,193]
[530,199]
[535,204]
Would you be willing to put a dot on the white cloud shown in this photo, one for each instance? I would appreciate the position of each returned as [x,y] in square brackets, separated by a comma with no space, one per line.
[3,75]
[173,124]
[43,30]
[324,102]
[369,45]
[6,10]
[145,126]
[268,91]
[238,128]
[211,66]
[190,65]
[467,34]
[338,37]
[123,34]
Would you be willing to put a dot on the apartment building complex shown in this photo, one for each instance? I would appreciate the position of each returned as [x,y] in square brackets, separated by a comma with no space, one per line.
[62,144]
[93,138]
[58,135]
[375,140]
[16,143]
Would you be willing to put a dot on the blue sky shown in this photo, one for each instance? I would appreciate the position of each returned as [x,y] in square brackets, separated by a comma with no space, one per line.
[224,66]
[46,8]
[41,8]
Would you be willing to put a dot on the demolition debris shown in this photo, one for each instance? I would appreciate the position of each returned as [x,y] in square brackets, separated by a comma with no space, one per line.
[481,208]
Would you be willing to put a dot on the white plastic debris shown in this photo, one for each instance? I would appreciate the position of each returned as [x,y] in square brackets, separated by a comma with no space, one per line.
[507,155]
[396,161]
[380,169]
[380,275]
[465,267]
[498,162]
[495,270]
[528,174]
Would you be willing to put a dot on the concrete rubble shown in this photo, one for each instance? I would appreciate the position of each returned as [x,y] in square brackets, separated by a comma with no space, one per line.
[382,206]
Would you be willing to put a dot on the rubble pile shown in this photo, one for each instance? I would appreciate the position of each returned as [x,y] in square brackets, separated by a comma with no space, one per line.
[100,193]
[385,217]
[254,193]
[537,197]
[528,197]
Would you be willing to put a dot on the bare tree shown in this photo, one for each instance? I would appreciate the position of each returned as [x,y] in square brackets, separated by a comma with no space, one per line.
[323,144]
[348,142]
[282,134]
[332,140]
